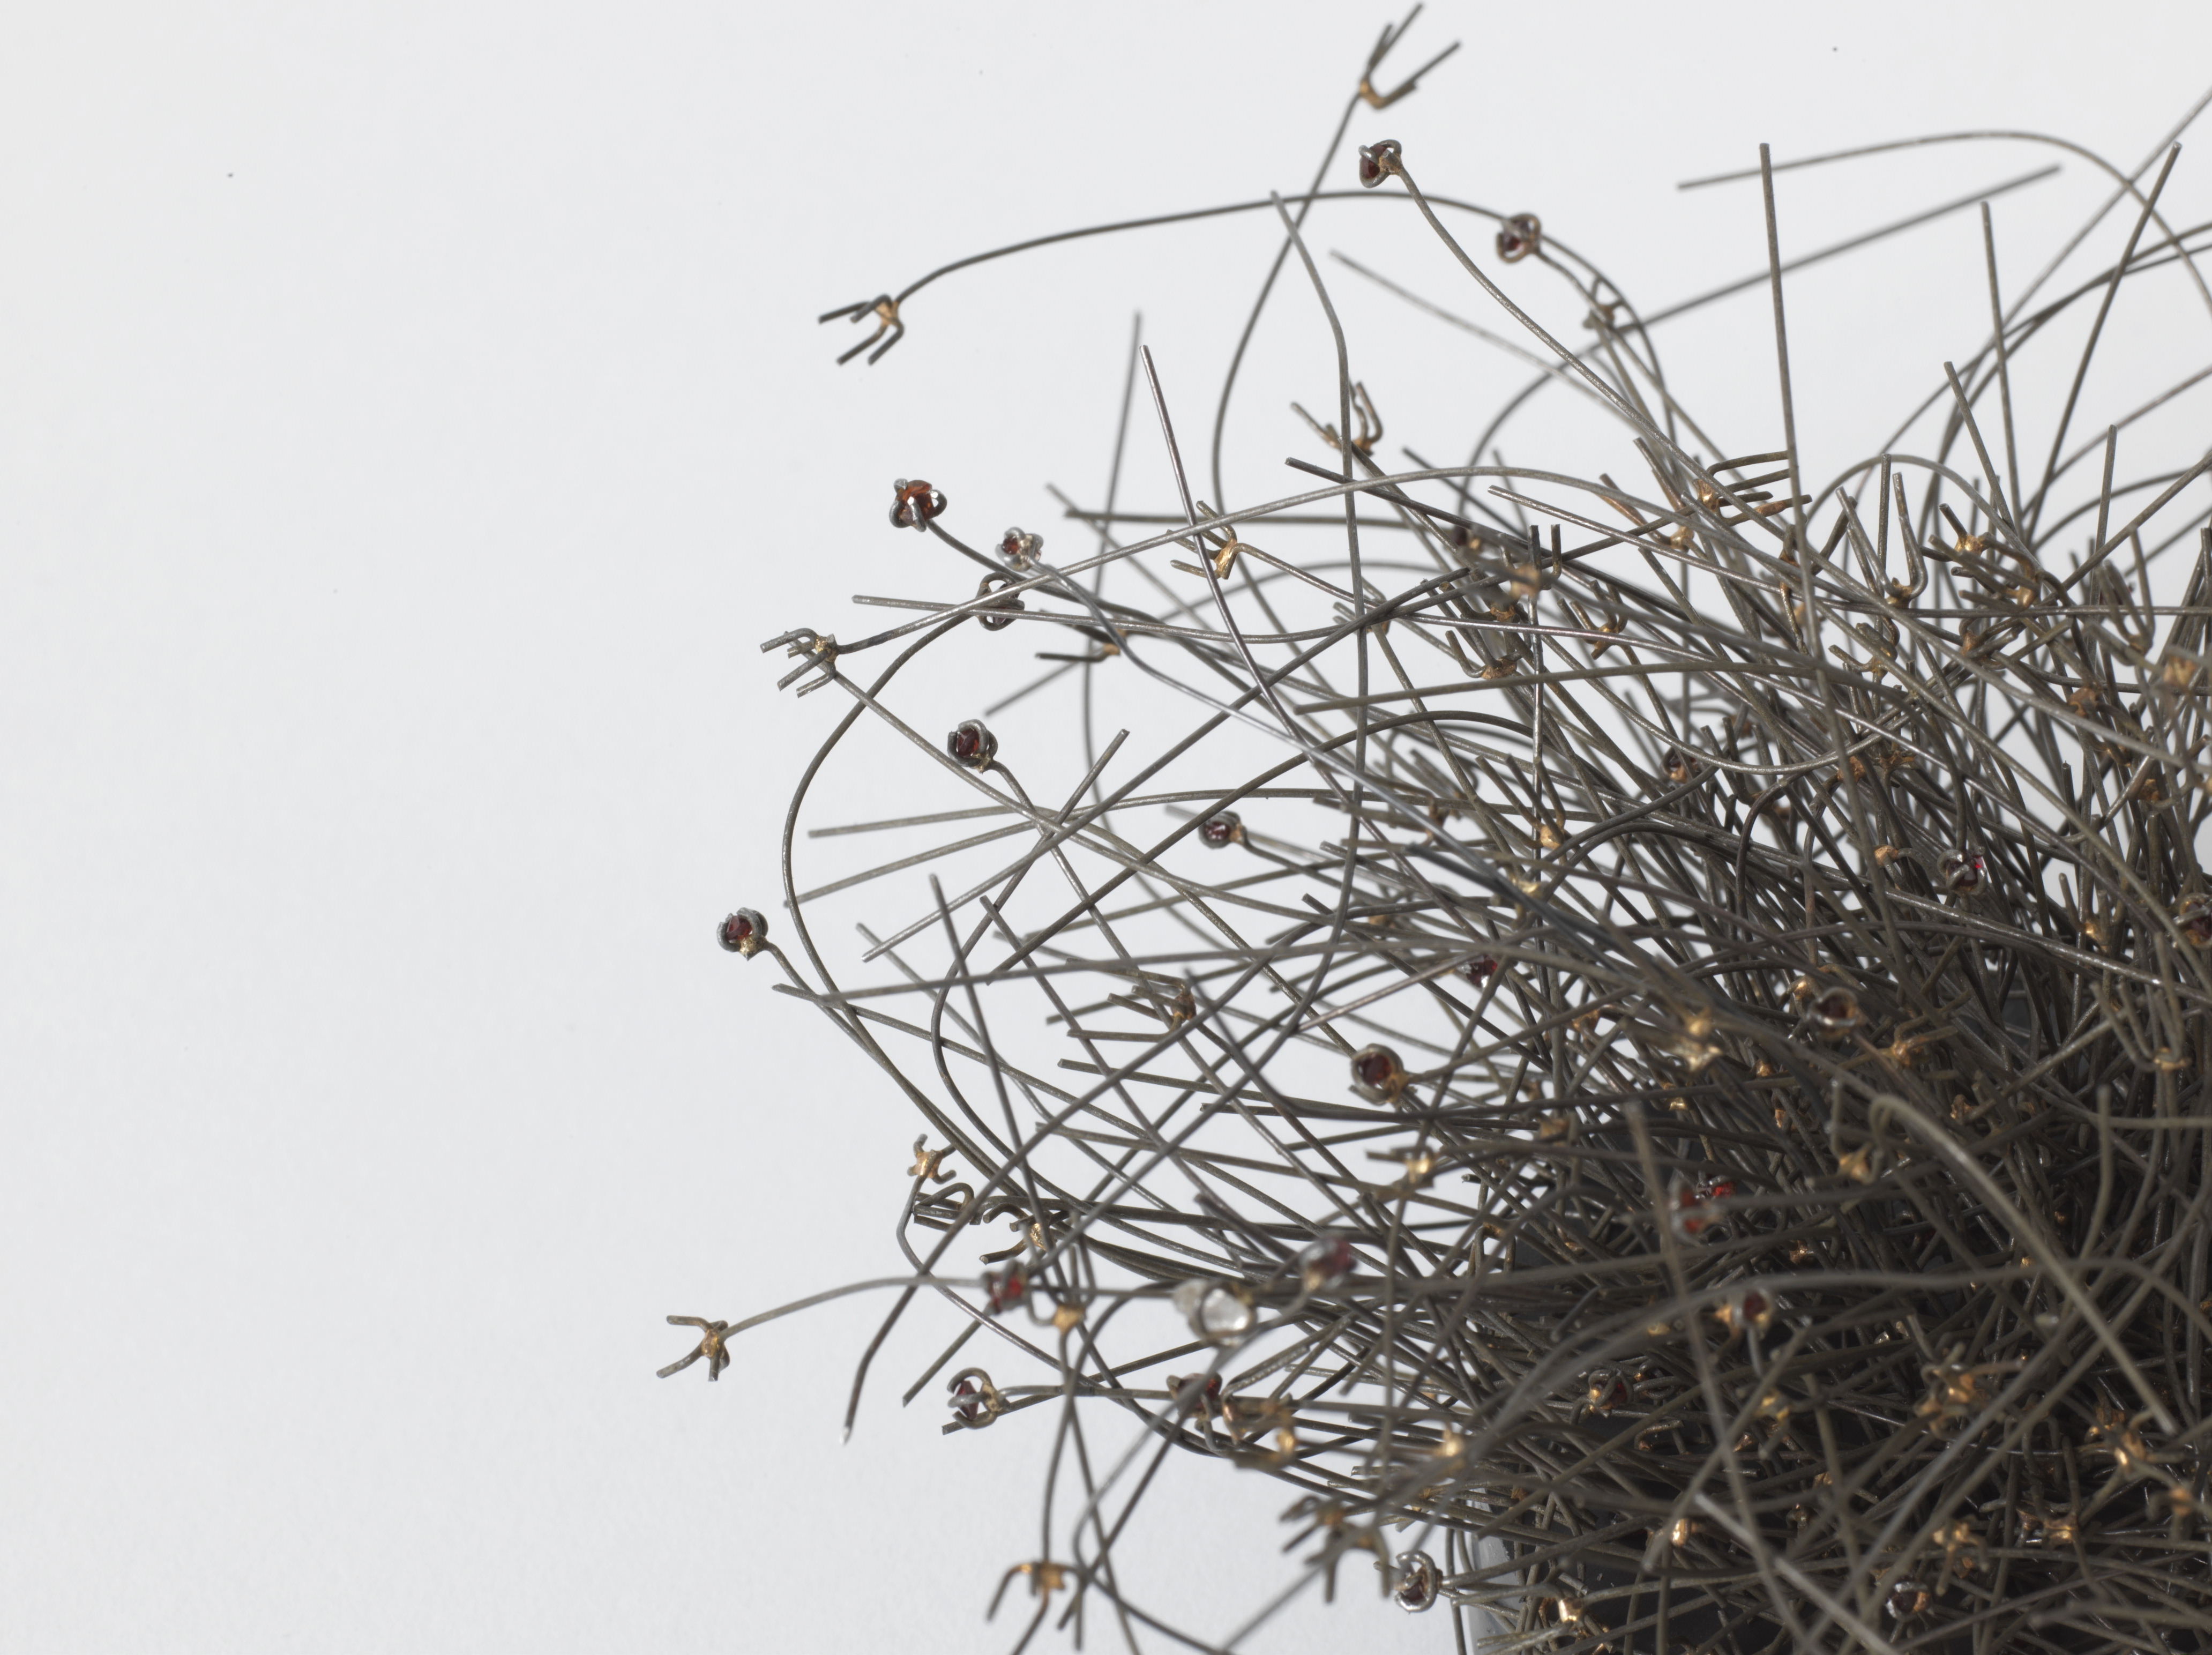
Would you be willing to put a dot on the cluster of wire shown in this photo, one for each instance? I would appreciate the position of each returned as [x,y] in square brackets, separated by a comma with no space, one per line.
[1640,1043]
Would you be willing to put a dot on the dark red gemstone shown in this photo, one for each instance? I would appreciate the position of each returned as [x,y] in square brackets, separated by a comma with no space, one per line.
[964,743]
[1839,1008]
[1688,1211]
[1326,1260]
[737,932]
[1189,1394]
[2197,927]
[1219,831]
[1011,547]
[967,1401]
[1480,969]
[1418,1583]
[1008,1289]
[1721,1191]
[1370,170]
[1963,873]
[1754,1304]
[917,504]
[1375,1068]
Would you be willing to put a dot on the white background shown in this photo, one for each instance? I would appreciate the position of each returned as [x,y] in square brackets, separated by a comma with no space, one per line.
[412,418]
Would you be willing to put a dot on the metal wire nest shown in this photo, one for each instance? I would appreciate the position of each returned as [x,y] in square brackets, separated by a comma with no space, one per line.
[1702,1147]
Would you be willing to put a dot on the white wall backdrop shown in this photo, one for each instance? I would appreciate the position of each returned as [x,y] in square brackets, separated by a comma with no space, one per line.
[412,418]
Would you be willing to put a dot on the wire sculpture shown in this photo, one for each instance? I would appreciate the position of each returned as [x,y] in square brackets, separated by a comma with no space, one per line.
[1703,1148]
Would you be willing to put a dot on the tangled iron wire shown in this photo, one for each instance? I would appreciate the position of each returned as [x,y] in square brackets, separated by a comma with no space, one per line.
[1702,1147]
